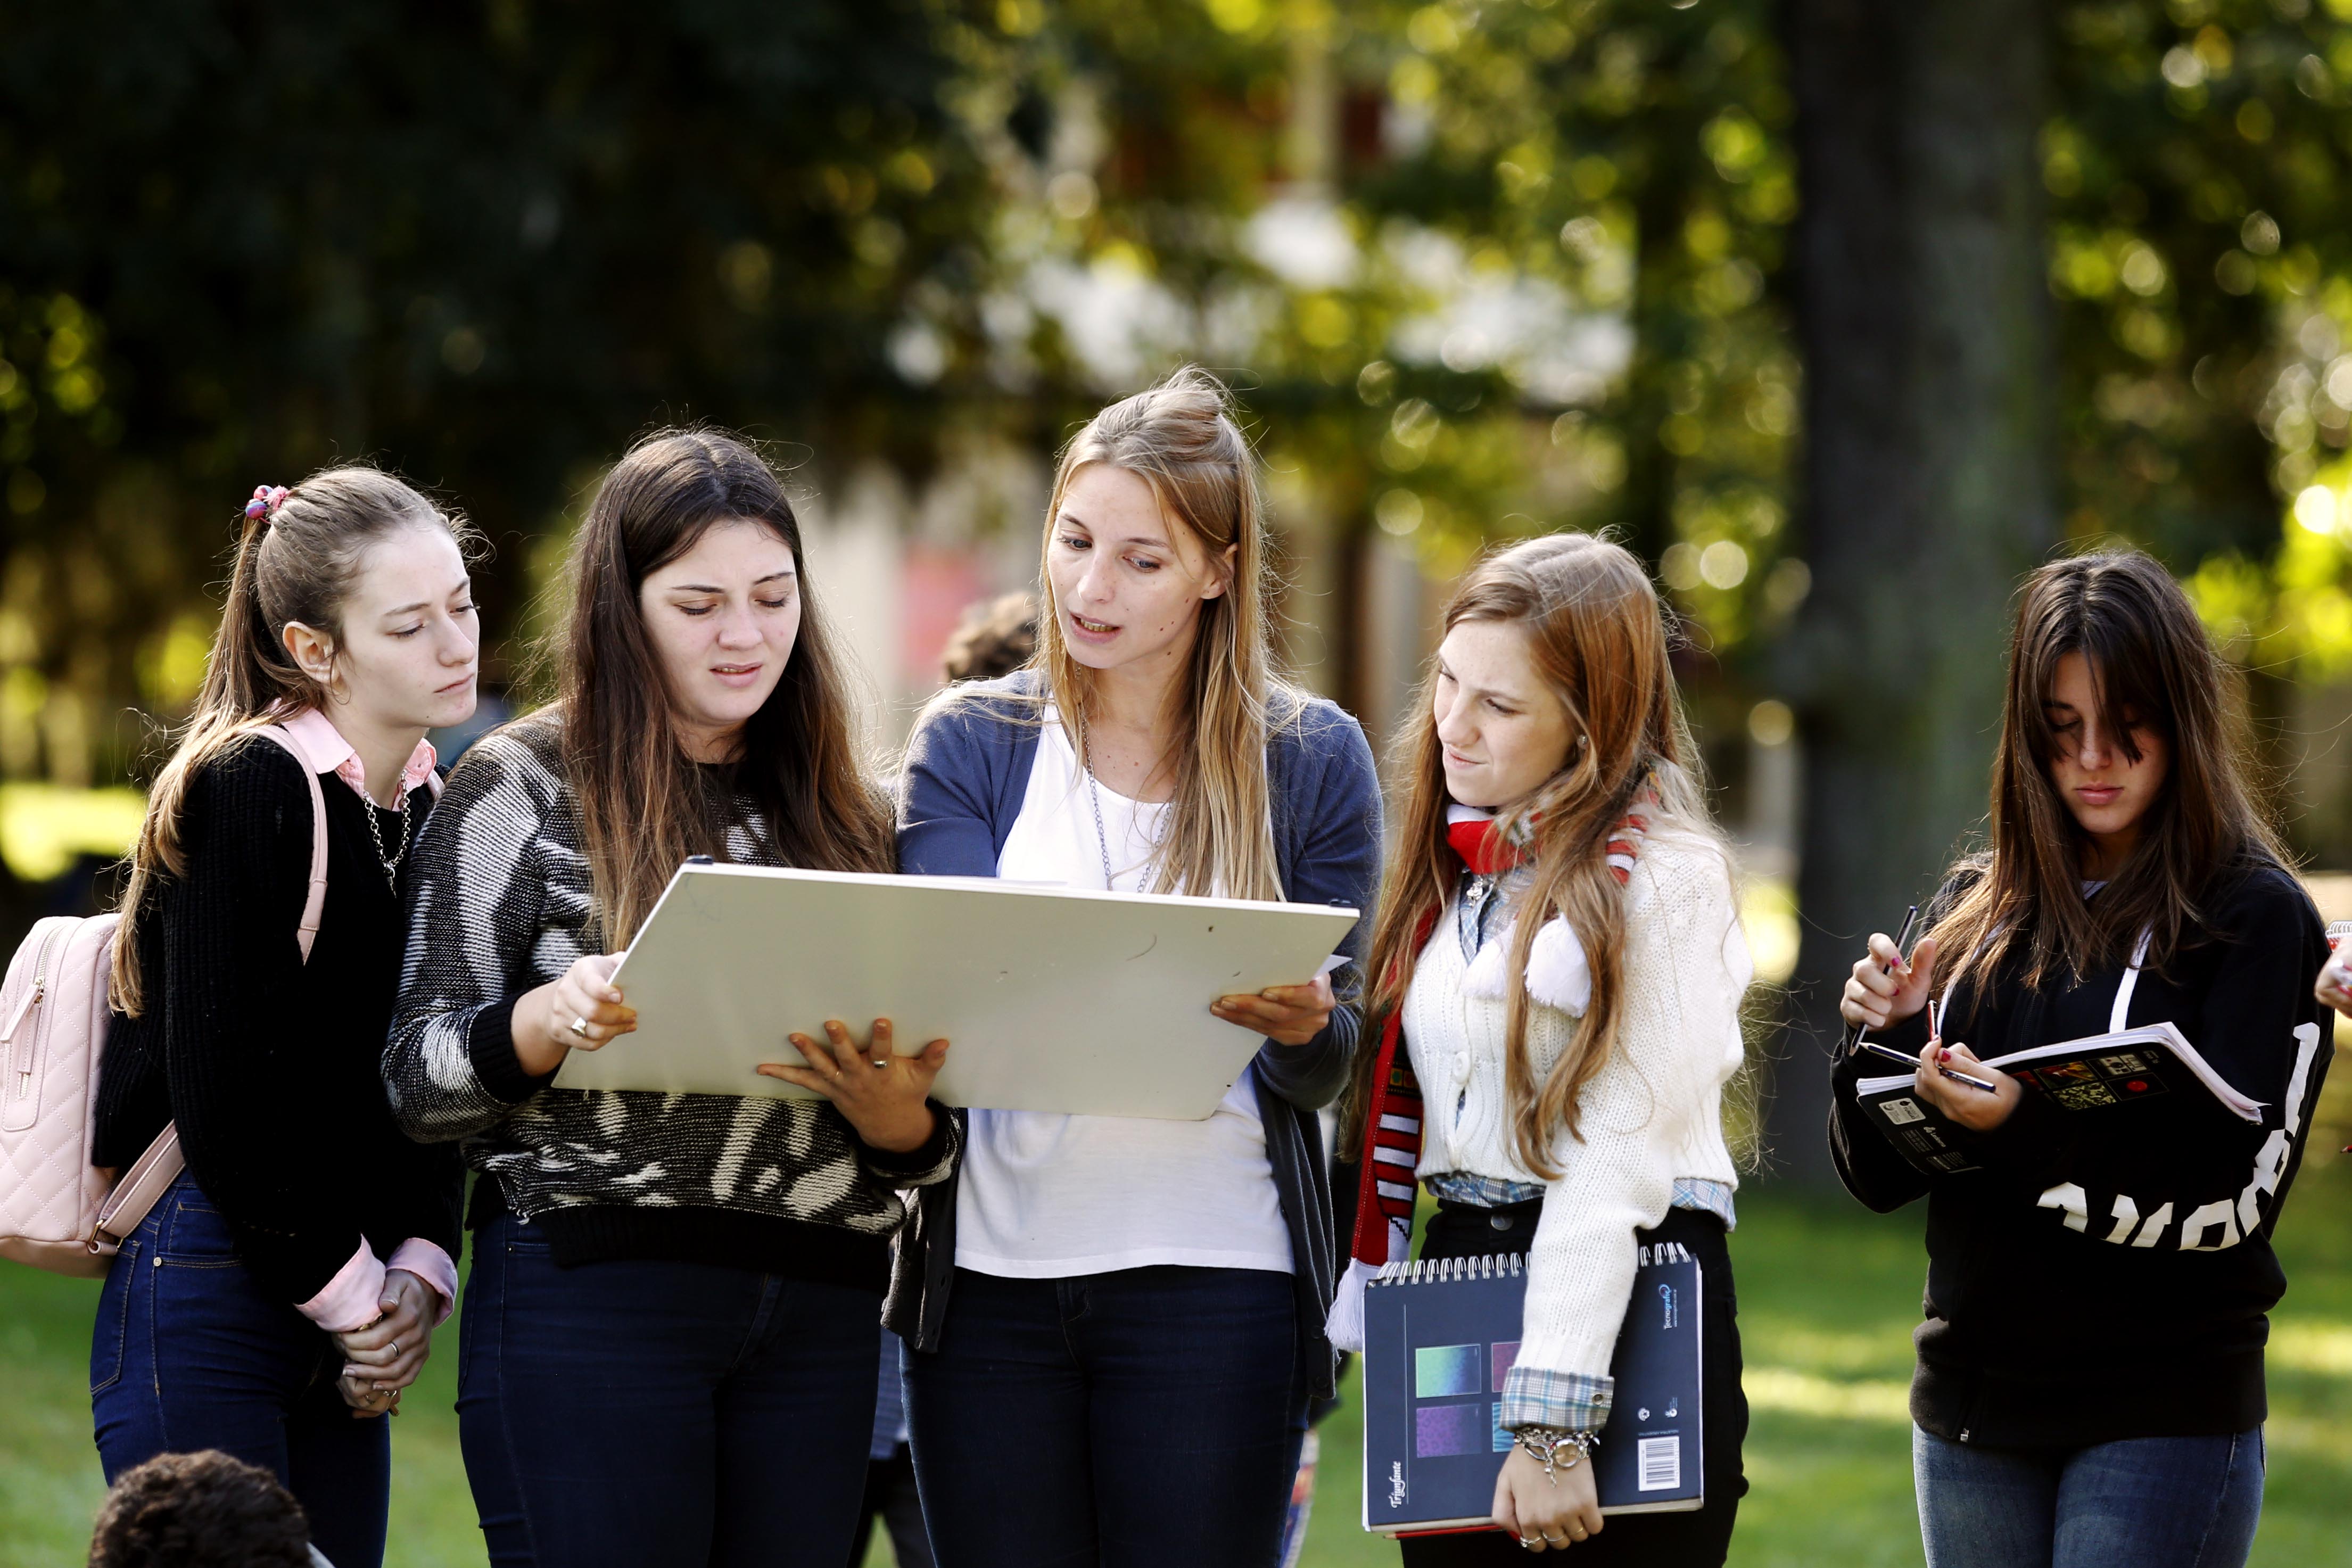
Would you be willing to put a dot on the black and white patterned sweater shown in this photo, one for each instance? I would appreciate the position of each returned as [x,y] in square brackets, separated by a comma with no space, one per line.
[500,903]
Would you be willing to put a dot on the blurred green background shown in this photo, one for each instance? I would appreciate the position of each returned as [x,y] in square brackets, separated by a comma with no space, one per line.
[1840,315]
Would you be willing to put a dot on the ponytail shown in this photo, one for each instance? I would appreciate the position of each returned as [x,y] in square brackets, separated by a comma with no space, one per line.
[296,557]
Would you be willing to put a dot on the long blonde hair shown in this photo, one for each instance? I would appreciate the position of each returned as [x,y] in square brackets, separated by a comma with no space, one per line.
[1180,438]
[295,563]
[1598,636]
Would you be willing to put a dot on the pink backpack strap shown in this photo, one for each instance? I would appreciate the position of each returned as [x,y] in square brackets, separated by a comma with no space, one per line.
[317,903]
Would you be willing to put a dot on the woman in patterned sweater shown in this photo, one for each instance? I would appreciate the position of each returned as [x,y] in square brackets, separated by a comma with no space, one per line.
[669,1338]
[1560,962]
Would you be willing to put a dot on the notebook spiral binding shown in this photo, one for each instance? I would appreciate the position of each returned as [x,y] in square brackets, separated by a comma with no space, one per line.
[1435,1270]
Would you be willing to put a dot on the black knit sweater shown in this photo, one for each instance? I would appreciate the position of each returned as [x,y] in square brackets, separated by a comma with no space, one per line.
[504,904]
[269,1066]
[2092,1283]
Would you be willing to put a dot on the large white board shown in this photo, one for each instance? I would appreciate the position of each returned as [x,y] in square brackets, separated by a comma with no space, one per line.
[1051,998]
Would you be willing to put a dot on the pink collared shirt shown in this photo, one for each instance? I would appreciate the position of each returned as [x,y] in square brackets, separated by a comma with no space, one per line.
[324,748]
[353,1297]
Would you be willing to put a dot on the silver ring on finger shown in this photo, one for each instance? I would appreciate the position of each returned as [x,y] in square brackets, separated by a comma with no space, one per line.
[884,1065]
[579,1026]
[396,1349]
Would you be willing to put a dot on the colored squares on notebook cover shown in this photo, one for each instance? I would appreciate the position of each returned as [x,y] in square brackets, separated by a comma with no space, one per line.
[1500,1359]
[1439,1370]
[1503,1435]
[1440,1431]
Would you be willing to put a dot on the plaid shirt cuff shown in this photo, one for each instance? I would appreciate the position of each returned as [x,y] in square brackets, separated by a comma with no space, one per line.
[1570,1400]
[1484,1192]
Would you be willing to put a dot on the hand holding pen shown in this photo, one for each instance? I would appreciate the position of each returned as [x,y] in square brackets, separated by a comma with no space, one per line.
[1980,1104]
[1886,988]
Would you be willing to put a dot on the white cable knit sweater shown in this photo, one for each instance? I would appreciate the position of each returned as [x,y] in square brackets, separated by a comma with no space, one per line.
[1653,1114]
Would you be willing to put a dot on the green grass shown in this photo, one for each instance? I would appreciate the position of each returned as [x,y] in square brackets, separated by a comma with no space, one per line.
[1828,1297]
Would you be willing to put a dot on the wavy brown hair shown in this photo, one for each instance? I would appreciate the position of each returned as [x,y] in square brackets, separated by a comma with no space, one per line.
[643,805]
[1599,638]
[296,563]
[2152,666]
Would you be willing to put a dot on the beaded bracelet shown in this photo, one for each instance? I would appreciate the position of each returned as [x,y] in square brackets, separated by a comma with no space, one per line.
[1554,1449]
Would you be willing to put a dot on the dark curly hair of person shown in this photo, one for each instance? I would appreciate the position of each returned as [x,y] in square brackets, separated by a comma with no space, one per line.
[199,1511]
[993,638]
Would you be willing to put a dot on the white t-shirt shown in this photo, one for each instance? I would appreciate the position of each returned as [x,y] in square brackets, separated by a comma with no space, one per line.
[1045,1196]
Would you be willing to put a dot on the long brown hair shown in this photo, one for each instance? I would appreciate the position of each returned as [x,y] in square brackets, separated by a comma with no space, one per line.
[1180,437]
[295,563]
[2151,663]
[644,808]
[1598,636]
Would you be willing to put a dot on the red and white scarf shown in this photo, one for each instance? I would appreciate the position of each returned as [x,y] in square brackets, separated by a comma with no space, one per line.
[1557,975]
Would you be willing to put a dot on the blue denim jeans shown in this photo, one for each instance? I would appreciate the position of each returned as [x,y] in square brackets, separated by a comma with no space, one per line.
[1145,1418]
[2149,1502]
[189,1353]
[655,1414]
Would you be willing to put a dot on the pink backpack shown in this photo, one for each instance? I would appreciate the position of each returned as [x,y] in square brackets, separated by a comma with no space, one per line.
[56,1211]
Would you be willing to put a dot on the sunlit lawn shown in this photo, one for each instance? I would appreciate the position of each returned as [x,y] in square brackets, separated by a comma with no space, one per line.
[1828,1297]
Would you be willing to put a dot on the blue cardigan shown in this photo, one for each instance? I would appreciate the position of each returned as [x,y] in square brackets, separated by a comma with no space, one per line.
[967,773]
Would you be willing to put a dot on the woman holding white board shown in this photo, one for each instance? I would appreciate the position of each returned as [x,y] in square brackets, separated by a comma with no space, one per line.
[668,1336]
[1139,1302]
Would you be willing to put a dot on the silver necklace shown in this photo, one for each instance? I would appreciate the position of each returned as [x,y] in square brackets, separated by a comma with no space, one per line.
[391,863]
[1094,794]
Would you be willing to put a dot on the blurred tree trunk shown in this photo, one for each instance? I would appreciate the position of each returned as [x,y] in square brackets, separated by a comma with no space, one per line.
[1928,479]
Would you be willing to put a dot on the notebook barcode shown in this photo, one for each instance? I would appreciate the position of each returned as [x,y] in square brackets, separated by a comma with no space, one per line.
[1660,1462]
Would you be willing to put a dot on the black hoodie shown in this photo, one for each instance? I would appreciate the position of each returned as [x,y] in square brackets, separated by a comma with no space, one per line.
[2092,1282]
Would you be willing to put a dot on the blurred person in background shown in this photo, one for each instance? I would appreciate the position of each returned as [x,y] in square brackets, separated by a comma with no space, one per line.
[1116,1324]
[286,1287]
[992,640]
[668,1349]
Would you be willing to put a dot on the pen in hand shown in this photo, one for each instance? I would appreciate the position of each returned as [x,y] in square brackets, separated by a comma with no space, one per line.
[1935,1031]
[1902,938]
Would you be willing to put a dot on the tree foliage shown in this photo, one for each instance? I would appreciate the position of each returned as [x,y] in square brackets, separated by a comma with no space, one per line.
[485,243]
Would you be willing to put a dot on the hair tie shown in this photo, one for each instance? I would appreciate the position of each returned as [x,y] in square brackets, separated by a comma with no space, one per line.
[267,500]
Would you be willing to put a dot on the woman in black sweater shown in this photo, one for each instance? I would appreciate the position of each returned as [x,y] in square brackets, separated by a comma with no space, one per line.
[669,1331]
[2090,1380]
[282,1292]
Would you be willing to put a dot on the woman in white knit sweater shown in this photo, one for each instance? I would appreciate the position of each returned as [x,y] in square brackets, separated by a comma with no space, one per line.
[1559,965]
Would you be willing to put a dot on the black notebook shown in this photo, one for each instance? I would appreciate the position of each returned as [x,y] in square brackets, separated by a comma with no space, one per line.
[1439,1338]
[2151,1071]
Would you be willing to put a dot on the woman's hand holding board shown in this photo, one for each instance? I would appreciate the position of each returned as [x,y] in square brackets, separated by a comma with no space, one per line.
[1287,1015]
[881,1092]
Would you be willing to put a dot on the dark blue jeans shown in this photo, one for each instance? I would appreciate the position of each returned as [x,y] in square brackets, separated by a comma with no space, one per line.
[655,1414]
[2149,1502]
[1146,1418]
[190,1353]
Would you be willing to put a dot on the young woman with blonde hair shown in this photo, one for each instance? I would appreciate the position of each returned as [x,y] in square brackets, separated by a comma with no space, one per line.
[1558,966]
[1116,1324]
[286,1287]
[2133,877]
[669,1331]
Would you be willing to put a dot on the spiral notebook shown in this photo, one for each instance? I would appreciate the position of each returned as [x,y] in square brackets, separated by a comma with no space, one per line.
[1439,1338]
